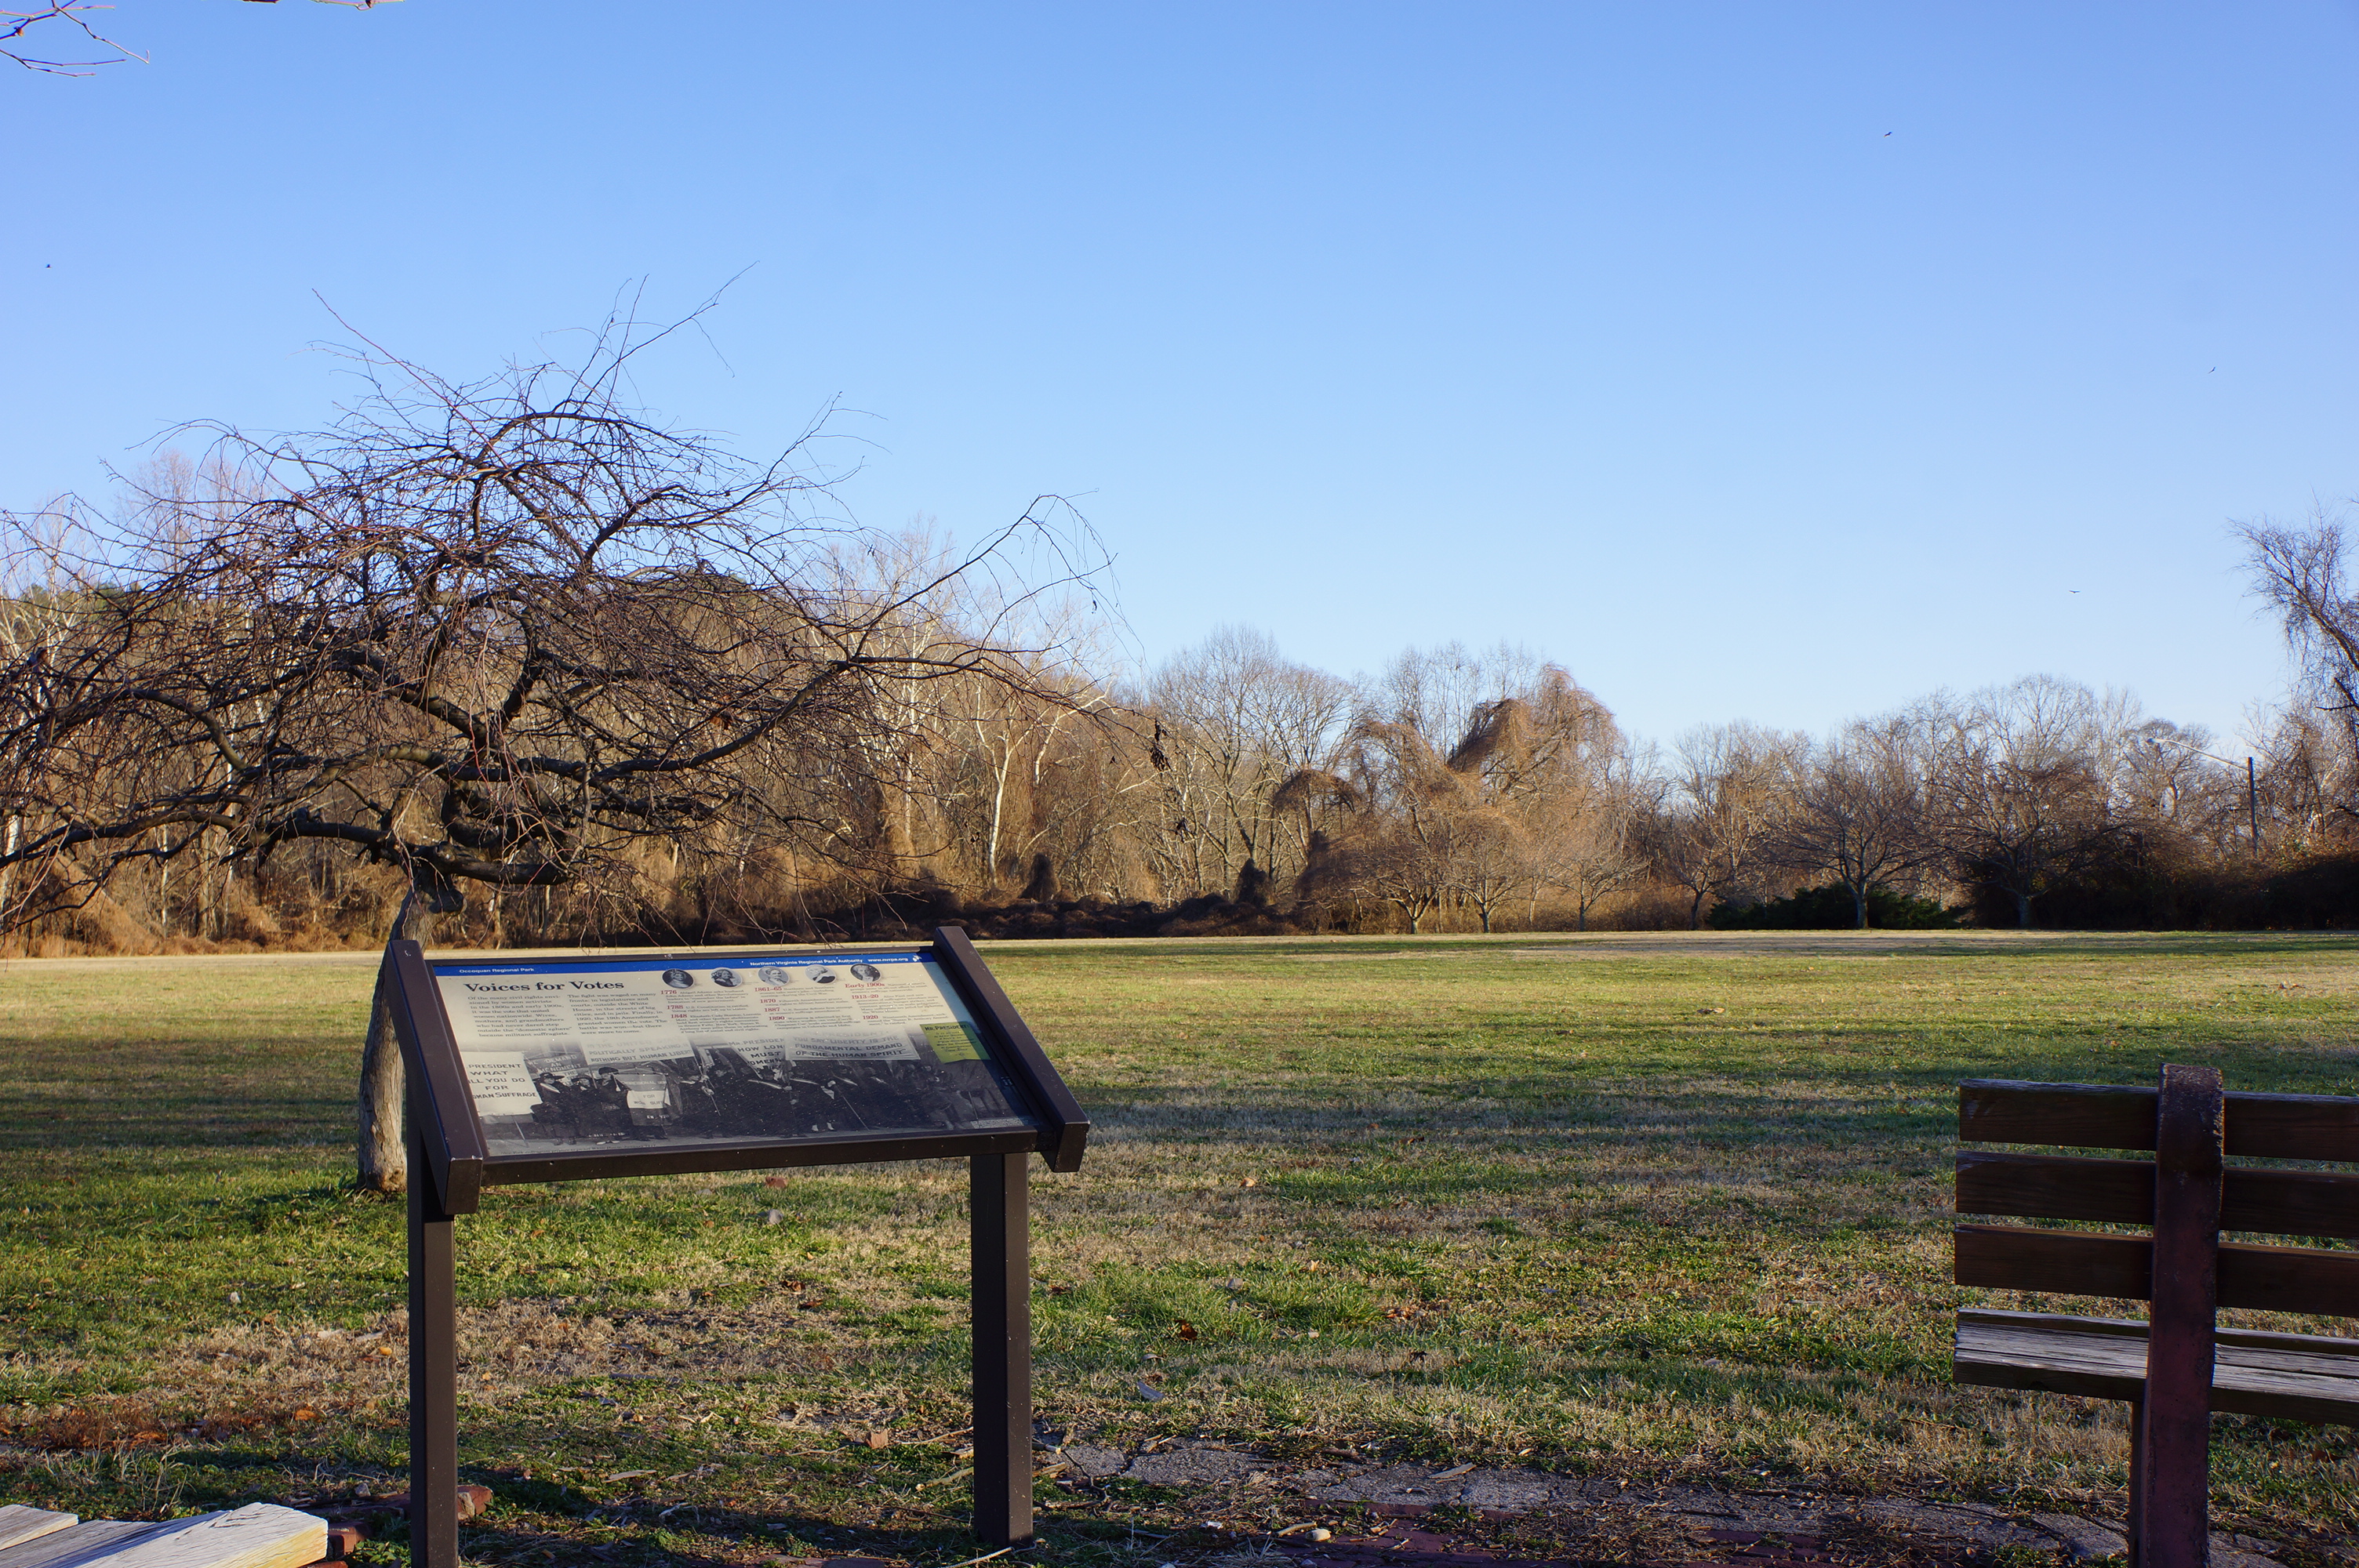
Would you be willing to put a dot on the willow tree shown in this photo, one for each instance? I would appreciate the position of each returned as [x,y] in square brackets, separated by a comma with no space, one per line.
[2304,574]
[498,634]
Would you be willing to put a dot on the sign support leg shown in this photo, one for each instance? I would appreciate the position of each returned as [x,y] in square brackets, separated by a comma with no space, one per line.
[433,1372]
[1002,1242]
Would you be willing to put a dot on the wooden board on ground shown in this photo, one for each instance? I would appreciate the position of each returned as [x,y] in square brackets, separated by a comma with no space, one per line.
[19,1524]
[259,1535]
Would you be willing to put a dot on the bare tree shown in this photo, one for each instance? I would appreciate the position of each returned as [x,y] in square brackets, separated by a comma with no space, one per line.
[1600,847]
[494,634]
[70,20]
[1858,811]
[1233,720]
[1732,786]
[2018,786]
[2306,765]
[1488,861]
[2303,574]
[24,38]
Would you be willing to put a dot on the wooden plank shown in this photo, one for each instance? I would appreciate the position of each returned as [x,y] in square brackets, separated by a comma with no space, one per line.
[260,1535]
[2056,1186]
[2063,1323]
[2174,1529]
[78,1544]
[2081,1263]
[2294,1127]
[2121,1116]
[2083,1115]
[2290,1203]
[2090,1357]
[19,1524]
[2067,1262]
[2067,1186]
[2290,1279]
[2300,1377]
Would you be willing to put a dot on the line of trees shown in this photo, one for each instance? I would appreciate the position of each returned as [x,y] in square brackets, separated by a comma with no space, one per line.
[513,653]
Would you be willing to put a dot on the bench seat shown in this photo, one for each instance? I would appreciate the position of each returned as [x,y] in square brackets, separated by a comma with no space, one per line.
[2304,1377]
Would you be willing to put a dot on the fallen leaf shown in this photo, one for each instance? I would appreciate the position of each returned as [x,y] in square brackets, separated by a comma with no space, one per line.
[306,1412]
[1146,1391]
[1249,1181]
[880,1438]
[773,1181]
[1183,1329]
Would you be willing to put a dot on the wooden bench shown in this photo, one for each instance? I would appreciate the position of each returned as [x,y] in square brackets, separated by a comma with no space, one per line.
[2179,1365]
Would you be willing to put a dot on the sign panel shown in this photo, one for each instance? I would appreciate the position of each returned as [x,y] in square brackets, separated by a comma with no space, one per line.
[589,1057]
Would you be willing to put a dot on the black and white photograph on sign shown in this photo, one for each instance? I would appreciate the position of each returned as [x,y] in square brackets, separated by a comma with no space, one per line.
[572,1057]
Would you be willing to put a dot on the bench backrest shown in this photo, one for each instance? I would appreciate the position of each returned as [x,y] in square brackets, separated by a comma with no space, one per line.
[2069,1187]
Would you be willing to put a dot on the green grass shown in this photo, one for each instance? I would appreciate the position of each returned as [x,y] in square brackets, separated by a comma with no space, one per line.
[1652,1208]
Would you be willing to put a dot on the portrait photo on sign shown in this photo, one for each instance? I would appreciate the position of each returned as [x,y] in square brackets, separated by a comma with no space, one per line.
[568,1057]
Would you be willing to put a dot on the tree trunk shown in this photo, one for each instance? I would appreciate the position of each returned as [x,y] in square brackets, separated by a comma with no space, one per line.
[1859,906]
[2022,910]
[384,1157]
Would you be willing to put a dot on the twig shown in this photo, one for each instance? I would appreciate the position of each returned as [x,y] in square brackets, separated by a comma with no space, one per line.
[986,1557]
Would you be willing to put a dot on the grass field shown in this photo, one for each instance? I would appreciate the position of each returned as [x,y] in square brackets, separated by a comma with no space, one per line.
[1647,1207]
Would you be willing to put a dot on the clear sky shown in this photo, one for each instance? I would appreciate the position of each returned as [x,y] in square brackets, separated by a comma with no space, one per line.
[1772,361]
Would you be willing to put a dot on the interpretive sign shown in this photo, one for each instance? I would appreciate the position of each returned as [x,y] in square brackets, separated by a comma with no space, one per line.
[571,1069]
[618,1054]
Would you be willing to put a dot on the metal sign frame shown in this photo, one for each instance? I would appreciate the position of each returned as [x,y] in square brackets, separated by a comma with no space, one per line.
[450,1164]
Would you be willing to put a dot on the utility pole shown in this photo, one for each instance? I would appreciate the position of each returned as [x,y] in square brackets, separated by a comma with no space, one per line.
[2253,805]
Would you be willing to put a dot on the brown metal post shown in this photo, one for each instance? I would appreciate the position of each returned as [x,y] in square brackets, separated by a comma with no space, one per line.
[433,1372]
[2173,1503]
[2137,1486]
[1002,1241]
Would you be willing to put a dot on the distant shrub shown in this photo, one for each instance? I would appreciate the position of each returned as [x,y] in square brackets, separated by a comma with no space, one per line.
[1830,908]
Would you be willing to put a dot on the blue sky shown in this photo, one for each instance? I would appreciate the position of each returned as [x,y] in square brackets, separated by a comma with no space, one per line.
[1782,362]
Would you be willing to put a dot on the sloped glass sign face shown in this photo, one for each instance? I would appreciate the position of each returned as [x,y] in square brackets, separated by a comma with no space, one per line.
[607,1055]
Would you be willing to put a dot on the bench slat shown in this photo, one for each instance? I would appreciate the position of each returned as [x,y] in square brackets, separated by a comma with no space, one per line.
[2290,1279]
[2069,1186]
[2303,1376]
[2066,1262]
[2056,1186]
[2084,1115]
[2111,1116]
[2294,1127]
[2080,1263]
